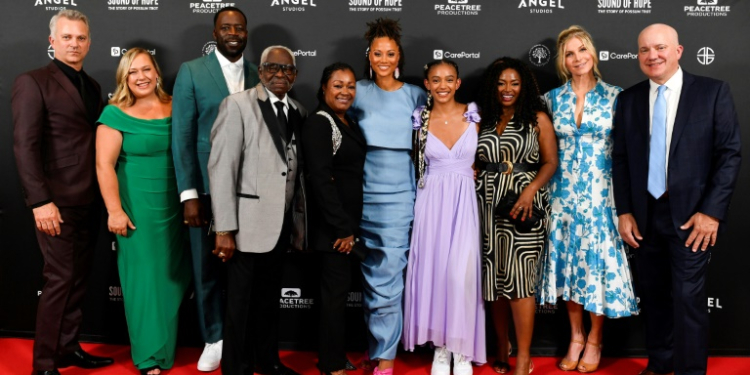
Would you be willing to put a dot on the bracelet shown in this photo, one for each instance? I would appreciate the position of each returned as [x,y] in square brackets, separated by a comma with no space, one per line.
[221,233]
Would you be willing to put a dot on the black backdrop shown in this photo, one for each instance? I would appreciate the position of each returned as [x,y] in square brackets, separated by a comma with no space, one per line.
[715,34]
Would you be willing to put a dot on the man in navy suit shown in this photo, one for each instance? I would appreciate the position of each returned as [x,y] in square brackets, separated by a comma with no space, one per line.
[200,87]
[676,160]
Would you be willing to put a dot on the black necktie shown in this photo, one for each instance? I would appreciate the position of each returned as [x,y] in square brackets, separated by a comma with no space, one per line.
[85,98]
[283,123]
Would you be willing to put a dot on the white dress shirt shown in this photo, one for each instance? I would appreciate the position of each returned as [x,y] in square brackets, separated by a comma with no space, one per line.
[672,97]
[273,98]
[234,75]
[234,72]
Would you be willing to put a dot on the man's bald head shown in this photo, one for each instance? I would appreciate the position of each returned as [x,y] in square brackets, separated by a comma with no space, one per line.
[659,52]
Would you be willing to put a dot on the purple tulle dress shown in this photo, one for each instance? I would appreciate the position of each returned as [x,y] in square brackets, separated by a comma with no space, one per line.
[443,297]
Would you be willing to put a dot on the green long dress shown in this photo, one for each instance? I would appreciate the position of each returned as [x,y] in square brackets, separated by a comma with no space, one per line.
[154,271]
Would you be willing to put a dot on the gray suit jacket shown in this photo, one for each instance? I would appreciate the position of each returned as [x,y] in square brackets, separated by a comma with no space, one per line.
[253,173]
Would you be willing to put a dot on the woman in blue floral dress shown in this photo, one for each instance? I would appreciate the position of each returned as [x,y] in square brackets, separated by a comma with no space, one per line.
[585,261]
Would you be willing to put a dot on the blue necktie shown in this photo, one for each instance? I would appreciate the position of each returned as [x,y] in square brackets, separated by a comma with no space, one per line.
[657,172]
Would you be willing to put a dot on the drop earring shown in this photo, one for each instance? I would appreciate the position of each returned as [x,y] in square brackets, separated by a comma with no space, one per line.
[397,73]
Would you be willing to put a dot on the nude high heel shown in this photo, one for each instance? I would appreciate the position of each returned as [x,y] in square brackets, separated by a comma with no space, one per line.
[586,368]
[567,365]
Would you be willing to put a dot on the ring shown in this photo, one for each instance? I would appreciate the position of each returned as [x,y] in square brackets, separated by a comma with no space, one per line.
[185,221]
[351,243]
[221,254]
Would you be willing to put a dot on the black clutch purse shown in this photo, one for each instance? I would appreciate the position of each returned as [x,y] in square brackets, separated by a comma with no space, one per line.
[505,205]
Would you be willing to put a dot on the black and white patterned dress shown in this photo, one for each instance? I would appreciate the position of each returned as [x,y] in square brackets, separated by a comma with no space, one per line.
[509,266]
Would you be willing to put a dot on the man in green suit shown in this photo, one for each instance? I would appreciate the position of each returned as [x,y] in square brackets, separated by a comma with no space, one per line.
[200,87]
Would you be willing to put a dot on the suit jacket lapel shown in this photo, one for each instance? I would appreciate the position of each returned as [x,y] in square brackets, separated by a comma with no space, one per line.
[683,110]
[213,66]
[269,117]
[68,86]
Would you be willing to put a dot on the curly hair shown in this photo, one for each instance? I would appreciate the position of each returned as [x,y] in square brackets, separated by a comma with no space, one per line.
[328,72]
[383,28]
[529,99]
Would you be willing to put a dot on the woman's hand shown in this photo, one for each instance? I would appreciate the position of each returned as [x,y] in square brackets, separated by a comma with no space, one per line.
[523,206]
[344,245]
[119,222]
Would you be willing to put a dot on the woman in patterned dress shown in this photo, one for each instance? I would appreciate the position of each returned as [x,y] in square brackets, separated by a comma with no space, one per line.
[515,131]
[585,261]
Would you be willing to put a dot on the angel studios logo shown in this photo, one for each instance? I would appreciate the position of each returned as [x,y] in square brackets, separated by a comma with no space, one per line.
[458,8]
[293,5]
[541,6]
[291,298]
[55,5]
[714,304]
[209,6]
[624,6]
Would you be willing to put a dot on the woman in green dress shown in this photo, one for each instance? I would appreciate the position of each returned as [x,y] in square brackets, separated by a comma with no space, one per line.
[136,177]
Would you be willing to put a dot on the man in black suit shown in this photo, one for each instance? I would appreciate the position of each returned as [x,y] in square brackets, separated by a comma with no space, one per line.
[676,159]
[55,109]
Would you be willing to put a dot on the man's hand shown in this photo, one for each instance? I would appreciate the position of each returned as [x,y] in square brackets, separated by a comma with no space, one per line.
[48,219]
[225,246]
[193,213]
[704,232]
[629,230]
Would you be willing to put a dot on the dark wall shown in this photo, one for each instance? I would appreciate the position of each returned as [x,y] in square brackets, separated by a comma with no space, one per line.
[472,32]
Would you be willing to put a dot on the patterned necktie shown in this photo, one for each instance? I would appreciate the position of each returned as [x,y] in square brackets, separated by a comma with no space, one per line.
[657,173]
[283,124]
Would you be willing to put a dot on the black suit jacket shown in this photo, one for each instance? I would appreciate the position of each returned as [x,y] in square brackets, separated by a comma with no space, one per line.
[704,155]
[334,181]
[53,140]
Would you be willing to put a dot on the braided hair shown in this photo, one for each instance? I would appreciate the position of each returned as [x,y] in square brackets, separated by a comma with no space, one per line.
[420,137]
[529,99]
[383,28]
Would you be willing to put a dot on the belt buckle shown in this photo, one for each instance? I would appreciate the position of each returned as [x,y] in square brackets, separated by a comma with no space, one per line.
[510,167]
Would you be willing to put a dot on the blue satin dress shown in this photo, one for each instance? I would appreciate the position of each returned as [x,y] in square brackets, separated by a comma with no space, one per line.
[389,191]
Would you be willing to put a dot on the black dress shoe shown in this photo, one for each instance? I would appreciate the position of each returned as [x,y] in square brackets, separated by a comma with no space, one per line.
[277,369]
[81,359]
[45,372]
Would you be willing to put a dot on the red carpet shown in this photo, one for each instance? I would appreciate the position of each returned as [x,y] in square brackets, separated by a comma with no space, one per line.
[15,359]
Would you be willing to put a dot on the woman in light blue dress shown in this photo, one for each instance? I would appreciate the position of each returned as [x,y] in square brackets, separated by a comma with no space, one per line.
[383,108]
[585,261]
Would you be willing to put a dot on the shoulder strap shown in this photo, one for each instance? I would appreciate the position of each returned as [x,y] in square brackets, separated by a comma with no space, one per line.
[335,132]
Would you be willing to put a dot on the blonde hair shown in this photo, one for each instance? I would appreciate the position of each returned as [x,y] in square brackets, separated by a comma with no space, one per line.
[574,31]
[122,96]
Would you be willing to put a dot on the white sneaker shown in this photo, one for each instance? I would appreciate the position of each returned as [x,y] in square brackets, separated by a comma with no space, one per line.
[211,357]
[441,364]
[461,366]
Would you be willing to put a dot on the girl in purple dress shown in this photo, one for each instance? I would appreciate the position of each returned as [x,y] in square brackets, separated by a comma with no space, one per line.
[443,293]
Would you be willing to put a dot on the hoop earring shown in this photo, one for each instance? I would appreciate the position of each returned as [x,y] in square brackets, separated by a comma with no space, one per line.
[397,73]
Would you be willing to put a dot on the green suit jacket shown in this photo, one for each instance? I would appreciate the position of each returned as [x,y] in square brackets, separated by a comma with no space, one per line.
[198,90]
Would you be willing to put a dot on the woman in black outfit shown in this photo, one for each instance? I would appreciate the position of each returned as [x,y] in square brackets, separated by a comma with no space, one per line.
[334,150]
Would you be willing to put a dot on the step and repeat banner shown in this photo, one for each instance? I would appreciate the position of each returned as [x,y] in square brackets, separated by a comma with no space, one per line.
[715,34]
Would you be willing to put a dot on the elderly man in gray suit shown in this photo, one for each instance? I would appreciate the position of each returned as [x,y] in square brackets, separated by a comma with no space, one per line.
[258,206]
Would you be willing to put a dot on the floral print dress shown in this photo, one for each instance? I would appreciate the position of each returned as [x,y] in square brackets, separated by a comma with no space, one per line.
[585,260]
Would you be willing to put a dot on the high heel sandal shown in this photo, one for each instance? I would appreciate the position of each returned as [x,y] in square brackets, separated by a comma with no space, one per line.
[145,371]
[567,365]
[501,367]
[584,367]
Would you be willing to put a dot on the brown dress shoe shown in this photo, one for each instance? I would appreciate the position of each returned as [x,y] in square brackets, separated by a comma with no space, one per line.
[649,372]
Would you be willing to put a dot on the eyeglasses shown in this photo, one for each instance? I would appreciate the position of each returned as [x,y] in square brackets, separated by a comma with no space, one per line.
[273,68]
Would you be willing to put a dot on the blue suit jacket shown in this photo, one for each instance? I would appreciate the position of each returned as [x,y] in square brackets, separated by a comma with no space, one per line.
[704,156]
[199,89]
